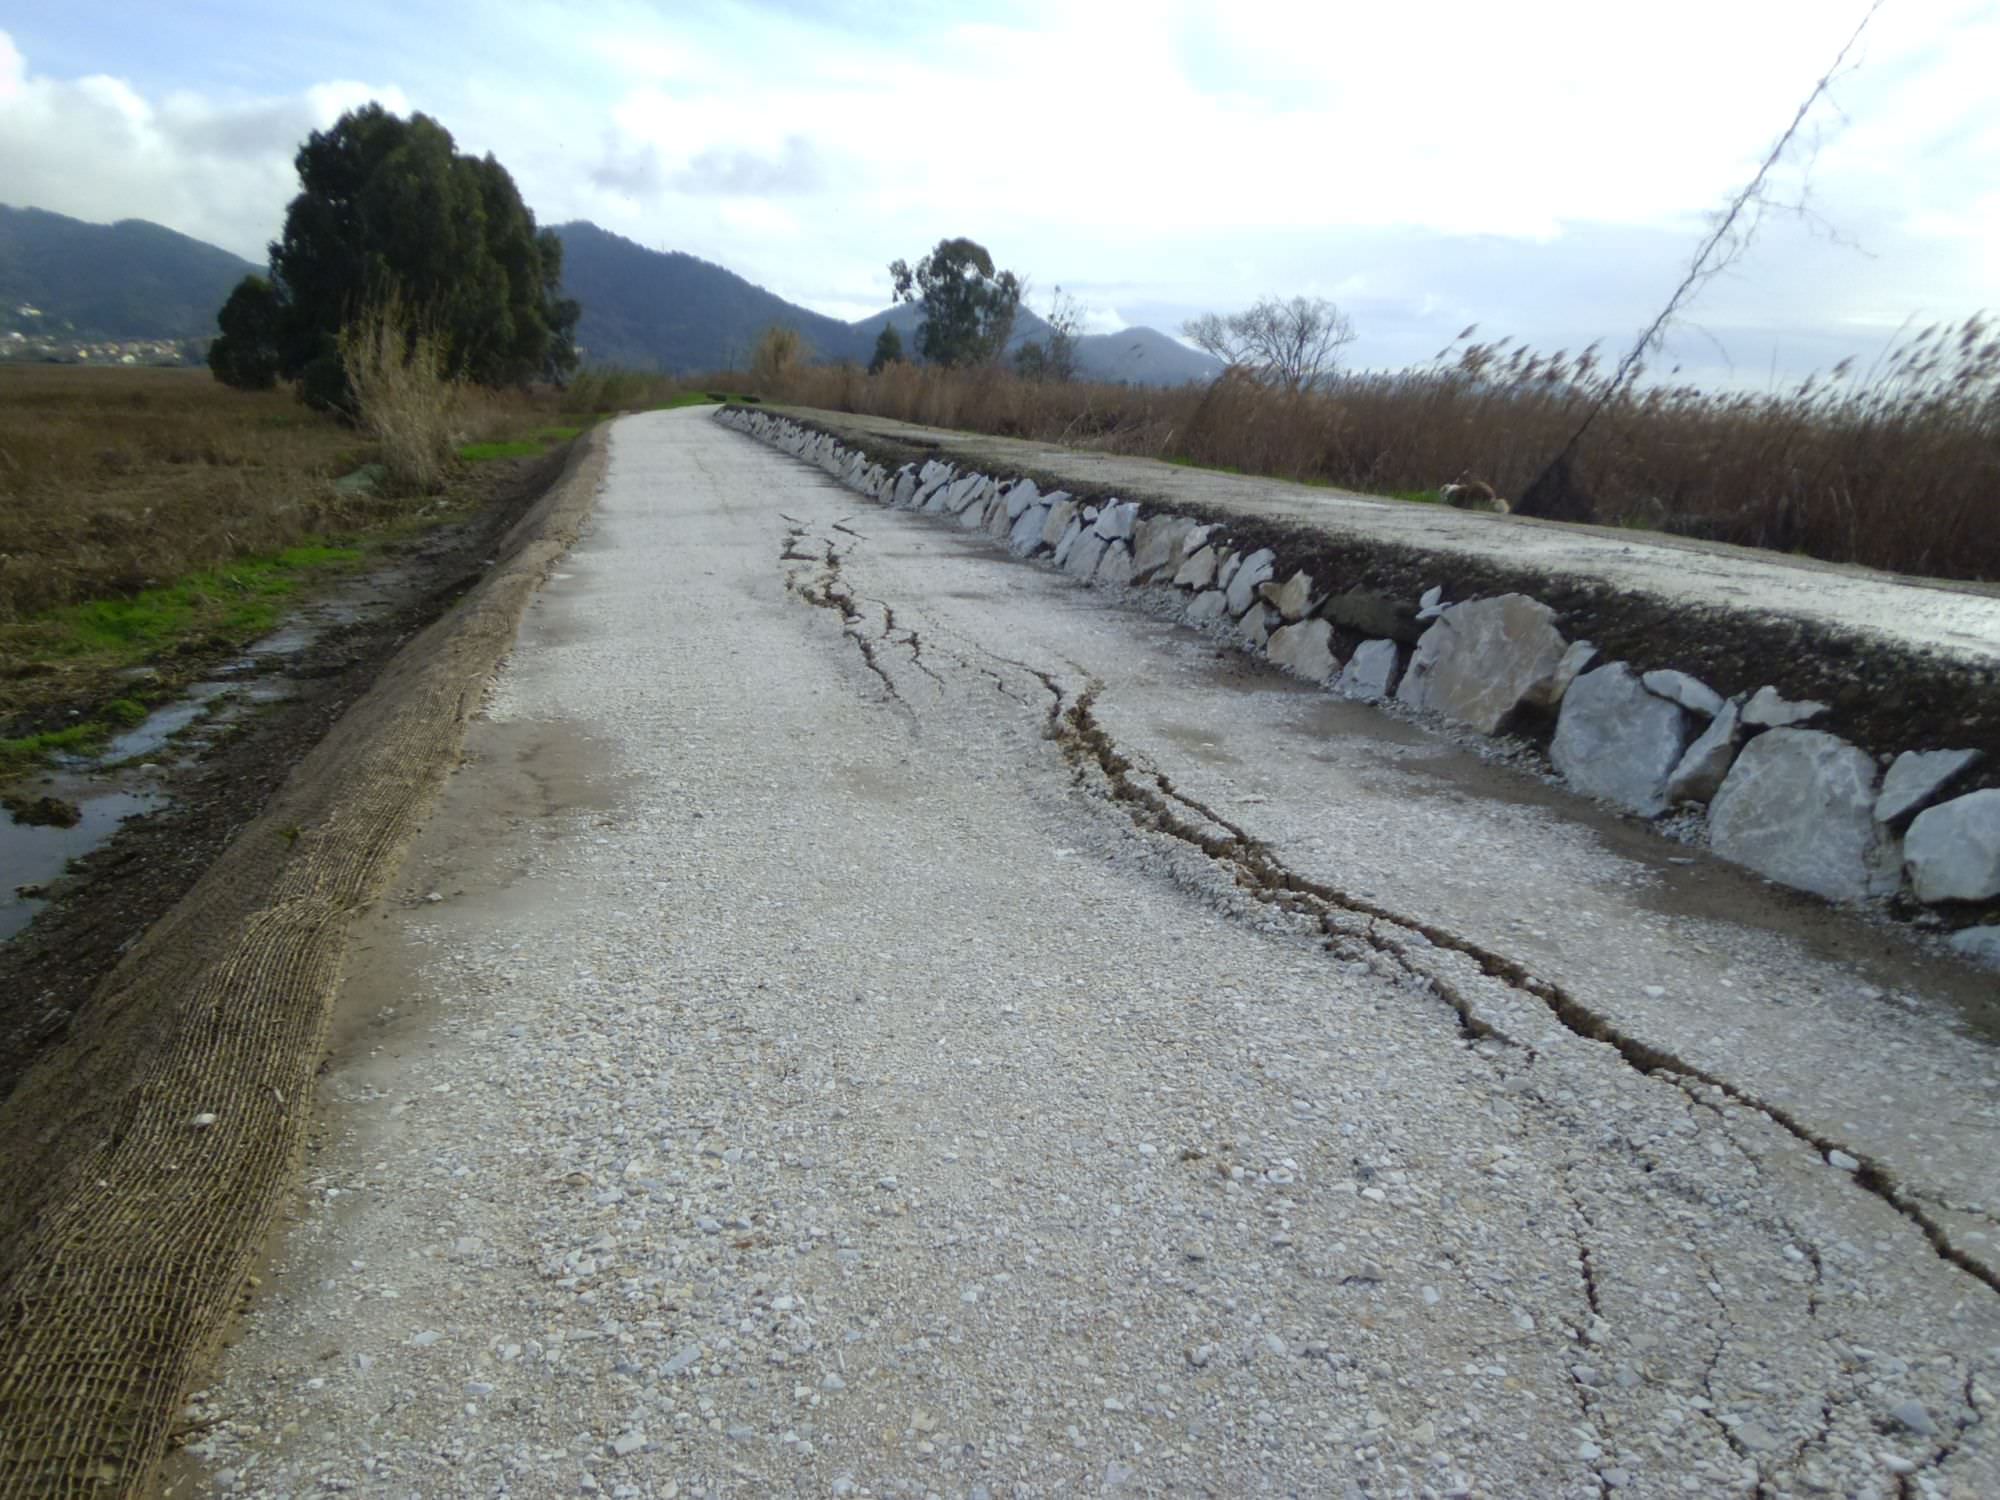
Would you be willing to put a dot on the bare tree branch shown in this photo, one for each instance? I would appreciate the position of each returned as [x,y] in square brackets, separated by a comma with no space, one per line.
[1294,344]
[1552,493]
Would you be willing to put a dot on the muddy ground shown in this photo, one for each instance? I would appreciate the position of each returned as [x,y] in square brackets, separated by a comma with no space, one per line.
[111,895]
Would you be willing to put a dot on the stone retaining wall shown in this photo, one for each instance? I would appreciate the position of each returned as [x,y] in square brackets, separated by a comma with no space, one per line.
[1791,802]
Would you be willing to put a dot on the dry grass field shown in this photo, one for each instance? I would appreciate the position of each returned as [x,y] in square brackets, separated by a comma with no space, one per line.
[115,480]
[152,515]
[1896,467]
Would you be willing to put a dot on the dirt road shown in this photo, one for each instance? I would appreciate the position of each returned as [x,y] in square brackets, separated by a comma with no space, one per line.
[874,1018]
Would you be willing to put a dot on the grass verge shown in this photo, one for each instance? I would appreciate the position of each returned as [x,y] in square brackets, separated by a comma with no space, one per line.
[533,445]
[25,752]
[232,603]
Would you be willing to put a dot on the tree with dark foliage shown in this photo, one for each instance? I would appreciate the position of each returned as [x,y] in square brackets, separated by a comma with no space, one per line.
[389,206]
[969,307]
[888,349]
[245,353]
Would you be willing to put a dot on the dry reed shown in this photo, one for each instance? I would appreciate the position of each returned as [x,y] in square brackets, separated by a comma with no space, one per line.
[1895,468]
[396,360]
[116,480]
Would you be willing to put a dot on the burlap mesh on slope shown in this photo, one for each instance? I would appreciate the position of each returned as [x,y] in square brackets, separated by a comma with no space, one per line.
[126,1230]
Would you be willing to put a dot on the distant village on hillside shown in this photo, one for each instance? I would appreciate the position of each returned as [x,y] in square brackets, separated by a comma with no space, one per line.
[31,339]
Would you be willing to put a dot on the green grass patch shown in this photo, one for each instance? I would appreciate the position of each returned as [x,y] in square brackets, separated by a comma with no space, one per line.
[532,446]
[1415,497]
[233,603]
[222,607]
[31,750]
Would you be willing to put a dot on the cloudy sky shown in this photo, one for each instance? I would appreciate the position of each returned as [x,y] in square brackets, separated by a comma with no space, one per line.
[1542,168]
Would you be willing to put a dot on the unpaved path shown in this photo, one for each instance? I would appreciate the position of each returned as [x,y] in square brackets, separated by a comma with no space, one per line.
[875,1018]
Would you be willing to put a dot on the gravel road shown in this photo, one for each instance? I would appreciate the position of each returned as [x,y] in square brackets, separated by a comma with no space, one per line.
[874,1018]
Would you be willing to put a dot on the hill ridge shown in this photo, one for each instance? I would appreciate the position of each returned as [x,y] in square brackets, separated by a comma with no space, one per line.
[128,279]
[666,310]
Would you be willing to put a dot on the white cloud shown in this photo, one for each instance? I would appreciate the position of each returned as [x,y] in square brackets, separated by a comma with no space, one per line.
[96,149]
[1541,168]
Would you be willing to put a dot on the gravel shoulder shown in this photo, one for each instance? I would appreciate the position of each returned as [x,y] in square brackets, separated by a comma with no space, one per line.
[862,1022]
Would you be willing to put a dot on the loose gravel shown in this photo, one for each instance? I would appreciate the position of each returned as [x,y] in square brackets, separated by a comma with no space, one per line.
[795,1069]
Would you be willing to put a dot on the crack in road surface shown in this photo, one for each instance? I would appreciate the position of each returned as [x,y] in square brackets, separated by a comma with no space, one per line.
[1259,872]
[1351,923]
[949,1091]
[827,590]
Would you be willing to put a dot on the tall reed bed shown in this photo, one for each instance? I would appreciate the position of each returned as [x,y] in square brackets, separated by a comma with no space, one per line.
[1896,466]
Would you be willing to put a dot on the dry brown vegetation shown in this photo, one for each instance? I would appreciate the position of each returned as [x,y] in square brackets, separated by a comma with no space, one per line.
[397,367]
[1897,467]
[111,480]
[115,480]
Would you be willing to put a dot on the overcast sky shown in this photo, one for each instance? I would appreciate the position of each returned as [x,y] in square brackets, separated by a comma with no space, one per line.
[1543,168]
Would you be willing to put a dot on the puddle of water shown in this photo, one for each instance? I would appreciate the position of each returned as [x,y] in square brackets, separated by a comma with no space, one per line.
[31,856]
[288,640]
[1202,744]
[348,604]
[163,724]
[1344,718]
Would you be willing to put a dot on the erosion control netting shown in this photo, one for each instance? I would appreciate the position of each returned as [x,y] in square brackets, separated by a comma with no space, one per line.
[144,1159]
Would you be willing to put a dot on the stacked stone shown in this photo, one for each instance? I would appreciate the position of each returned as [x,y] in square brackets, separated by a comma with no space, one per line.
[1795,804]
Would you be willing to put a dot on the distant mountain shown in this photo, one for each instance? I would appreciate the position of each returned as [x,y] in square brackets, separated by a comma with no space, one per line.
[663,310]
[1137,356]
[131,280]
[1143,356]
[644,309]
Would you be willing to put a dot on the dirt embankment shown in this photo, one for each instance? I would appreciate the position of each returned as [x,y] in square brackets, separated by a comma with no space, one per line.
[116,892]
[145,1153]
[1884,695]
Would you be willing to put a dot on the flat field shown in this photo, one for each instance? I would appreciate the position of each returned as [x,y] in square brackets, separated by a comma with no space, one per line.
[154,518]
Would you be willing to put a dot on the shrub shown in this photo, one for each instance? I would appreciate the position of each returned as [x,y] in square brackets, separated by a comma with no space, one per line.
[610,390]
[396,361]
[776,360]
